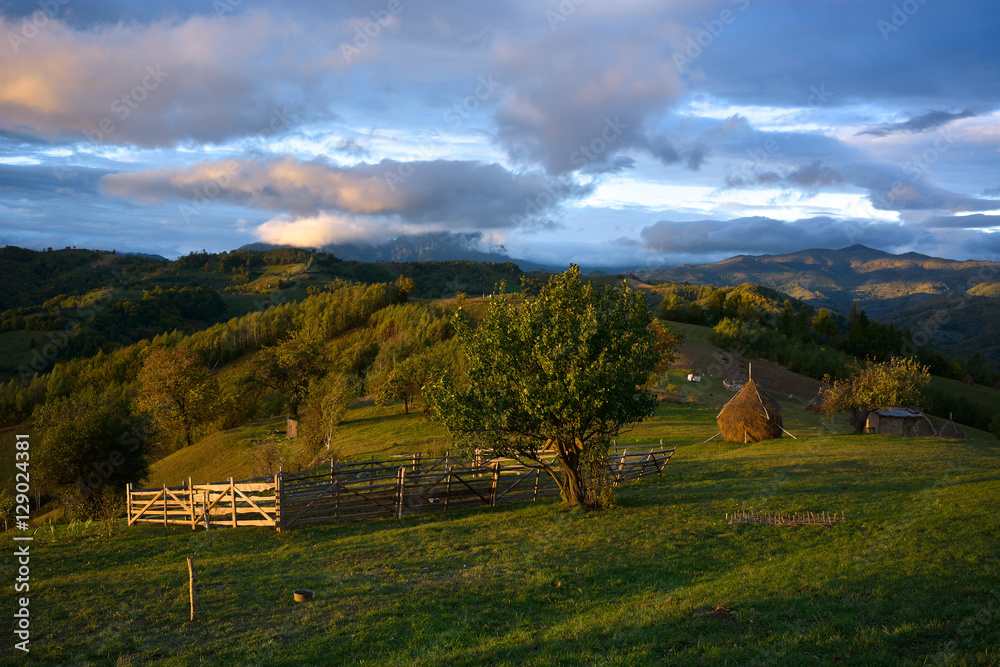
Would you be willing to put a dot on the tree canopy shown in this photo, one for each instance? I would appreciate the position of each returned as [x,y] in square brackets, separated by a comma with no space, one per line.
[89,440]
[566,369]
[177,390]
[897,382]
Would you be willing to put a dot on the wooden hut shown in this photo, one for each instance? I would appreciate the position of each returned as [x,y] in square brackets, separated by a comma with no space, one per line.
[751,416]
[899,421]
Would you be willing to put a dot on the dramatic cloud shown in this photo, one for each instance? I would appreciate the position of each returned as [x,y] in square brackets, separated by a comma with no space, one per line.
[154,85]
[362,201]
[921,123]
[576,99]
[564,130]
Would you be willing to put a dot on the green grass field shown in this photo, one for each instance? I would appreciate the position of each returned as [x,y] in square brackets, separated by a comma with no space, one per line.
[912,576]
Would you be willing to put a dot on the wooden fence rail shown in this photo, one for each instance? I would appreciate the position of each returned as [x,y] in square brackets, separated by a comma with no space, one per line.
[353,491]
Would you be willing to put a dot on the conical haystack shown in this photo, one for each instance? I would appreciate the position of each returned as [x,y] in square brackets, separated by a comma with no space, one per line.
[951,430]
[751,416]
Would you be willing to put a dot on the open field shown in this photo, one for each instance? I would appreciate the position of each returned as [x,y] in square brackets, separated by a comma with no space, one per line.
[911,576]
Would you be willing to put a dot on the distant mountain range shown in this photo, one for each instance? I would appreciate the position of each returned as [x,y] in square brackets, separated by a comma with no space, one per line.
[432,246]
[955,304]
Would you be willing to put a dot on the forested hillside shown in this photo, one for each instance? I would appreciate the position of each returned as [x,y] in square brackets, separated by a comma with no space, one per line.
[175,352]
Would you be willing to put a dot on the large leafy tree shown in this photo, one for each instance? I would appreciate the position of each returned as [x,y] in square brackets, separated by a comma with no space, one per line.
[89,440]
[177,389]
[566,369]
[897,382]
[291,366]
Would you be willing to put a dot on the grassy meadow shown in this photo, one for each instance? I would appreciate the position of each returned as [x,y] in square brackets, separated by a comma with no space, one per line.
[912,576]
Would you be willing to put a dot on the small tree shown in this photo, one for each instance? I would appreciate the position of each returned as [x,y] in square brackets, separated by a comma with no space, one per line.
[565,369]
[396,381]
[897,382]
[291,366]
[404,288]
[92,445]
[177,390]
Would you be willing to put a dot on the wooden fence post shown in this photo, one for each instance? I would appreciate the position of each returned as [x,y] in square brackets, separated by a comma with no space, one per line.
[194,517]
[400,482]
[191,582]
[164,505]
[496,481]
[621,466]
[334,480]
[205,512]
[447,489]
[232,494]
[279,509]
[128,502]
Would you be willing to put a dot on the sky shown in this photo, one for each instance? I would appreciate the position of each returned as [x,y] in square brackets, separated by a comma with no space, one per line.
[638,132]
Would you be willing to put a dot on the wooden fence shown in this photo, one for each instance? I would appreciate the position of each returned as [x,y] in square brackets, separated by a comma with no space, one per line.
[368,489]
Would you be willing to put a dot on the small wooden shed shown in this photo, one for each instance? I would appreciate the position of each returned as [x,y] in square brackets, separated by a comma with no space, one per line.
[900,421]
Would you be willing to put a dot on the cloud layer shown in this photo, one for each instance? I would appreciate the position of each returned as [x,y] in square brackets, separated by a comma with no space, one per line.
[576,127]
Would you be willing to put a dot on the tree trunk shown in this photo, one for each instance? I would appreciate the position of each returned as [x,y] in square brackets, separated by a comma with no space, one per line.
[572,486]
[859,418]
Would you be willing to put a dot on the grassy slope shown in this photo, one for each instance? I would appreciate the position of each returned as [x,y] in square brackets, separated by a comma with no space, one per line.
[369,430]
[912,572]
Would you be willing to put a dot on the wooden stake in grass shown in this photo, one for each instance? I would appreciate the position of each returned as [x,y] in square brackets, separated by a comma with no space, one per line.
[191,582]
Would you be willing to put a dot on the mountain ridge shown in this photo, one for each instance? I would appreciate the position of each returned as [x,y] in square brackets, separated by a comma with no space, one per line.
[953,302]
[837,278]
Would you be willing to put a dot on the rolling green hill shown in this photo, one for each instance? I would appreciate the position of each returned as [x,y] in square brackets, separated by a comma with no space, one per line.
[909,290]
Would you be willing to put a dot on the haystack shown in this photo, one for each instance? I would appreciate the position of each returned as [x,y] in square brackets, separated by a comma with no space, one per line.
[751,416]
[815,404]
[951,430]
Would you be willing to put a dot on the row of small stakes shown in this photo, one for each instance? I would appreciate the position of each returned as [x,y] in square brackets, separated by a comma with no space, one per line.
[780,519]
